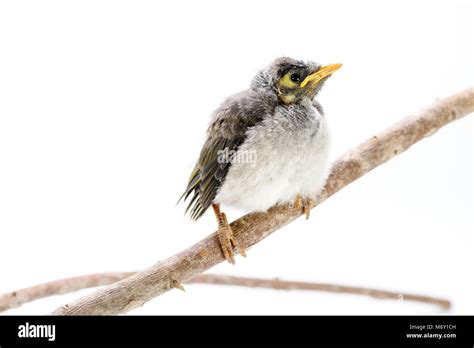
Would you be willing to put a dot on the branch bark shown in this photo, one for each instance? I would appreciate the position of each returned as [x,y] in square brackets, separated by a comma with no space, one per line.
[278,284]
[17,298]
[250,229]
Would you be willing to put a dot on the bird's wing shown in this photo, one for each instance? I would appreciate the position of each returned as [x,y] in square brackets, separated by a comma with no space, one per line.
[226,132]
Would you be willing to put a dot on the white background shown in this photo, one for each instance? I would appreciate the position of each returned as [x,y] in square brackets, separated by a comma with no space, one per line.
[104,107]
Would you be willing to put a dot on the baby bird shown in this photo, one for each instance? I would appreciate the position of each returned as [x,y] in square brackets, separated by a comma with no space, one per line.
[266,145]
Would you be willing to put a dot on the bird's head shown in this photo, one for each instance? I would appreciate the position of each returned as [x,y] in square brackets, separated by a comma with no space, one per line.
[294,80]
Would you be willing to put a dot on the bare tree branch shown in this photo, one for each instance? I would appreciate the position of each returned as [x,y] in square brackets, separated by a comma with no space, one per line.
[17,298]
[250,229]
[278,284]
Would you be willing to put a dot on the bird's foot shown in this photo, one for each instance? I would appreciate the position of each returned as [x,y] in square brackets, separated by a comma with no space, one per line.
[298,203]
[305,204]
[308,203]
[227,239]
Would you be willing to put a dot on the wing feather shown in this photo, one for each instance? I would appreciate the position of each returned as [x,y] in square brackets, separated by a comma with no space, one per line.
[226,132]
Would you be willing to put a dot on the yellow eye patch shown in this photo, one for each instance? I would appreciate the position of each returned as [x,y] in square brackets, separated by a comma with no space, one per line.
[286,81]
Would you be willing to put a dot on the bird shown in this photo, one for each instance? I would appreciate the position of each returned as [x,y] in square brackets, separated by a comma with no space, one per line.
[266,145]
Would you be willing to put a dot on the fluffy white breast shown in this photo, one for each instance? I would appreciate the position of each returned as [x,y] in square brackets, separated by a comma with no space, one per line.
[281,157]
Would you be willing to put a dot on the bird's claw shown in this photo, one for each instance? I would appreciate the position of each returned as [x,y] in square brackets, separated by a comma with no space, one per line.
[305,204]
[298,203]
[227,240]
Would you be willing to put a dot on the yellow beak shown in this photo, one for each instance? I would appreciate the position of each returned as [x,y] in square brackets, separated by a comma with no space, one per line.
[320,74]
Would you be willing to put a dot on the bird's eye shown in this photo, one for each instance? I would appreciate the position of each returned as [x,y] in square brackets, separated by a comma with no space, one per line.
[295,77]
[291,79]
